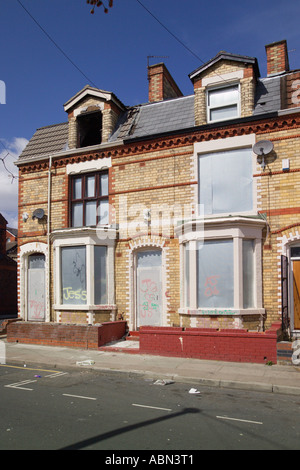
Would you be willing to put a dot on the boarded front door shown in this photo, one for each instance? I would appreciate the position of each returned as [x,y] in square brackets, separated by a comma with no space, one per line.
[36,288]
[149,288]
[296,290]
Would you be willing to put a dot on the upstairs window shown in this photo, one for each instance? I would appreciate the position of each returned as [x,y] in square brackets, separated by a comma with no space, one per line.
[89,199]
[223,103]
[89,129]
[225,181]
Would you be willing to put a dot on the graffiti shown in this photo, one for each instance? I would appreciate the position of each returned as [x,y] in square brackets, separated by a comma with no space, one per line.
[37,309]
[296,352]
[211,286]
[148,298]
[70,294]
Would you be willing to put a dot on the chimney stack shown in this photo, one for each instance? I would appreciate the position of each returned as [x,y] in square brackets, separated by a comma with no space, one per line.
[277,58]
[161,84]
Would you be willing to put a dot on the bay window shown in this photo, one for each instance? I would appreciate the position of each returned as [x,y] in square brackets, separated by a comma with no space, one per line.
[221,267]
[84,269]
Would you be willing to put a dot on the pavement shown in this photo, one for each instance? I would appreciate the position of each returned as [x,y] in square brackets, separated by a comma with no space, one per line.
[284,379]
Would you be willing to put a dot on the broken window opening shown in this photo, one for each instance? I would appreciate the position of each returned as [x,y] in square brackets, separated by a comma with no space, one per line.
[89,129]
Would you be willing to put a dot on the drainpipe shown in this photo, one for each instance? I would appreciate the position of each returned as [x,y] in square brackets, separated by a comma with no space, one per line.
[48,235]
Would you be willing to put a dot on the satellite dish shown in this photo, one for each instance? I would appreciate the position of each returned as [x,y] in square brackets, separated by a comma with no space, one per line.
[261,149]
[38,214]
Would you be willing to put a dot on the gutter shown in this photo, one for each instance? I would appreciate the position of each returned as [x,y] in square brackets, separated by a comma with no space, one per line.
[70,152]
[48,237]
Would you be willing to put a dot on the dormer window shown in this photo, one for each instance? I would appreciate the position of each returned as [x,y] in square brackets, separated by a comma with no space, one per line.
[223,103]
[89,129]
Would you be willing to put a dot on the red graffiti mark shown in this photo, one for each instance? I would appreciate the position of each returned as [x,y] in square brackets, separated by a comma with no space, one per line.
[37,309]
[149,286]
[211,286]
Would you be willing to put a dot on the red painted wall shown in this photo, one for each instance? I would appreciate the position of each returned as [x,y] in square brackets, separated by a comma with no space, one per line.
[204,343]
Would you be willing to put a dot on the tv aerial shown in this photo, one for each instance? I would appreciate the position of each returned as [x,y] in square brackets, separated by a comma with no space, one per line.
[262,149]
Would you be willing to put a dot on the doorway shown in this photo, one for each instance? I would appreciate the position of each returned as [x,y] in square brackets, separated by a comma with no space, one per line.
[296,293]
[36,288]
[149,288]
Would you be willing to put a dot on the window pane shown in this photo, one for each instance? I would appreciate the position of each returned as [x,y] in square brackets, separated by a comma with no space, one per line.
[73,275]
[90,213]
[295,252]
[227,112]
[77,186]
[215,274]
[104,184]
[187,274]
[90,186]
[77,214]
[36,261]
[103,212]
[223,96]
[226,181]
[248,273]
[149,258]
[100,275]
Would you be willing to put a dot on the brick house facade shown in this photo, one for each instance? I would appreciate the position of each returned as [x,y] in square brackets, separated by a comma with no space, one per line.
[8,277]
[162,214]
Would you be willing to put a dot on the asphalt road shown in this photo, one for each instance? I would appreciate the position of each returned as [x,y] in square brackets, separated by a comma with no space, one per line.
[123,415]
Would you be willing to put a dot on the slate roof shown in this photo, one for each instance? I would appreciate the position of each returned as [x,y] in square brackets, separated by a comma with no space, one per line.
[156,118]
[267,97]
[45,141]
[146,120]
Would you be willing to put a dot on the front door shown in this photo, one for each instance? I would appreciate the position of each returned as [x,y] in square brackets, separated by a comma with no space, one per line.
[296,293]
[149,288]
[36,288]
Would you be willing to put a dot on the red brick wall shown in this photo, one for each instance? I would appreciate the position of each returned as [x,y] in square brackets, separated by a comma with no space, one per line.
[59,334]
[205,343]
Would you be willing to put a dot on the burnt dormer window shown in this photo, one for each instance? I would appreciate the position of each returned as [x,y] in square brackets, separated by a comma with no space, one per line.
[89,129]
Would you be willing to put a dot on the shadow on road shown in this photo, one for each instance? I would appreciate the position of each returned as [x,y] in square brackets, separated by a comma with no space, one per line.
[108,435]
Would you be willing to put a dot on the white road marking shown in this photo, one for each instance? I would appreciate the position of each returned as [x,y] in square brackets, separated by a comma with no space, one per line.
[237,419]
[152,407]
[19,385]
[78,396]
[56,374]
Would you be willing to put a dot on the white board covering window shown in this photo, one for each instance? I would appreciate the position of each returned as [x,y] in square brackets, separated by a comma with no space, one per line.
[100,274]
[73,275]
[225,181]
[215,283]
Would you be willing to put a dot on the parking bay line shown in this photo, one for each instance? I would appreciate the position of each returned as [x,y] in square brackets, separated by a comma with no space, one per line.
[151,407]
[241,420]
[78,396]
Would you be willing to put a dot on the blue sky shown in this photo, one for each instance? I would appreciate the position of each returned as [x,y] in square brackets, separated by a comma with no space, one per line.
[110,51]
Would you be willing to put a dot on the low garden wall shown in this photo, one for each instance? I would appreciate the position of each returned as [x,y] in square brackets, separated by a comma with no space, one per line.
[235,345]
[63,334]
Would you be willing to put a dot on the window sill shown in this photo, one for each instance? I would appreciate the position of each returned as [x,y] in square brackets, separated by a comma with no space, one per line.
[221,312]
[85,307]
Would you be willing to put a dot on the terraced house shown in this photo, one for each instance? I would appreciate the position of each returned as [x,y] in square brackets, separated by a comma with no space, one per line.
[181,212]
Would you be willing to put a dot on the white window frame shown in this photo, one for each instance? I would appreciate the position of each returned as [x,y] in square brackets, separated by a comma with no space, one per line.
[88,238]
[235,102]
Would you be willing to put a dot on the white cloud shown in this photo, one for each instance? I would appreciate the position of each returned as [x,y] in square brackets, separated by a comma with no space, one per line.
[9,153]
